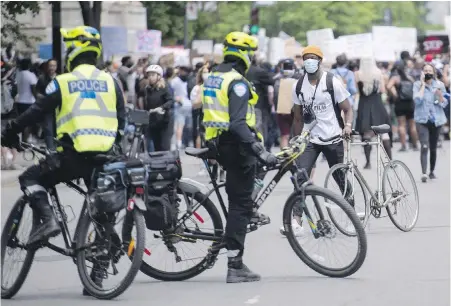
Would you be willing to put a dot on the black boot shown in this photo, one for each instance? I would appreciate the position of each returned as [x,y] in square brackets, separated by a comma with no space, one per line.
[239,273]
[49,227]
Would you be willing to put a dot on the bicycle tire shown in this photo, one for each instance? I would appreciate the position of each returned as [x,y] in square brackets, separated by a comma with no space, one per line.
[138,220]
[384,194]
[344,168]
[200,267]
[313,190]
[15,216]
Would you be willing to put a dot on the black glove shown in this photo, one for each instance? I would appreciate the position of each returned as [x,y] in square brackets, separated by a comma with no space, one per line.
[10,139]
[264,156]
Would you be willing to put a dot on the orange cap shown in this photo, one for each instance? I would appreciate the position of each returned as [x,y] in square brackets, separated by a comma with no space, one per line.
[312,50]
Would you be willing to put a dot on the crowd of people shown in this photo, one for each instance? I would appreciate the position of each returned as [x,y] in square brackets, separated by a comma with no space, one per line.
[381,92]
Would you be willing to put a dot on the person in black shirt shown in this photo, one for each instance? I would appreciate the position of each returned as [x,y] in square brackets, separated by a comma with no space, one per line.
[157,99]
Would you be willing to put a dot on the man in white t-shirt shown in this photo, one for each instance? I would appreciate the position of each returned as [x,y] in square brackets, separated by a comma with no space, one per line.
[326,97]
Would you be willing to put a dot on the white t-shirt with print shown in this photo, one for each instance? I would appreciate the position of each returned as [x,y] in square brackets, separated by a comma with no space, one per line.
[327,123]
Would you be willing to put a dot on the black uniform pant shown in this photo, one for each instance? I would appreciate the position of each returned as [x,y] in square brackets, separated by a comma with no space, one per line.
[334,154]
[240,176]
[61,167]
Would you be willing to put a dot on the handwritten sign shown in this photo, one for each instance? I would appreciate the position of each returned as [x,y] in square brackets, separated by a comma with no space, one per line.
[149,41]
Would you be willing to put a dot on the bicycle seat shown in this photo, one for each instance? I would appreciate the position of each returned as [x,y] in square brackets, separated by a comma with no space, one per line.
[196,152]
[381,129]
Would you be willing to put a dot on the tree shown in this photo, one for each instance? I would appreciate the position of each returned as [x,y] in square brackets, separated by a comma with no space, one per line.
[91,15]
[11,28]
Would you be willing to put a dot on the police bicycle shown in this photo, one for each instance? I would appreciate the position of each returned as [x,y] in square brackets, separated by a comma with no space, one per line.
[307,204]
[95,243]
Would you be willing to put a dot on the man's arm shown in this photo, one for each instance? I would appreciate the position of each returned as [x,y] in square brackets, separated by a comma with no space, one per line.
[345,106]
[238,102]
[40,108]
[120,106]
[341,97]
[298,120]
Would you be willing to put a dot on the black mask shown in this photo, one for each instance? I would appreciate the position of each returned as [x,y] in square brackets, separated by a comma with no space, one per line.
[184,78]
[428,76]
[130,64]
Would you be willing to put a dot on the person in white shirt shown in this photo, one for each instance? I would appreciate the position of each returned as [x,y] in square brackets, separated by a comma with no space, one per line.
[320,93]
[183,107]
[26,91]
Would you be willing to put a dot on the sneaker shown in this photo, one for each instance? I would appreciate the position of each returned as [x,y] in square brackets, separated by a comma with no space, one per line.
[298,230]
[432,176]
[424,178]
[361,216]
[403,149]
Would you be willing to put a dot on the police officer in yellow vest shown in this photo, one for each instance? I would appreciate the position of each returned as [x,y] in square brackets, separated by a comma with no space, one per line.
[228,104]
[89,109]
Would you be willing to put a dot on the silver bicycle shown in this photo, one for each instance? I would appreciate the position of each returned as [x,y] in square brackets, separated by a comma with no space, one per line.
[396,187]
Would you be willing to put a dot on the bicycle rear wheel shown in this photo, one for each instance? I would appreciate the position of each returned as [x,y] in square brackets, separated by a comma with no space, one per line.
[352,189]
[107,249]
[323,230]
[179,241]
[12,241]
[396,181]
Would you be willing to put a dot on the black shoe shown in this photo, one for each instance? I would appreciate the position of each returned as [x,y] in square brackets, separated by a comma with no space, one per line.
[367,166]
[242,275]
[432,176]
[44,231]
[49,227]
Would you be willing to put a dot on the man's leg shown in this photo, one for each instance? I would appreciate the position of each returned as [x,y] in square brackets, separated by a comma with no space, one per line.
[33,183]
[239,186]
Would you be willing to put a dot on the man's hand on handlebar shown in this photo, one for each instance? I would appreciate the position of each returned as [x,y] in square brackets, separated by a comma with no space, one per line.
[264,156]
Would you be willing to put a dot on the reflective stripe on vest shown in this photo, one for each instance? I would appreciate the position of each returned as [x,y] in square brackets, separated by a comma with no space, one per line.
[215,103]
[76,111]
[88,109]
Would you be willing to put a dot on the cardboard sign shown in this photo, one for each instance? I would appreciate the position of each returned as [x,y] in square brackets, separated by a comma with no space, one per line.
[285,101]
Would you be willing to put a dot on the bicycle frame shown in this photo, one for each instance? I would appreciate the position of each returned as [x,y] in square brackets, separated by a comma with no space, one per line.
[381,164]
[61,216]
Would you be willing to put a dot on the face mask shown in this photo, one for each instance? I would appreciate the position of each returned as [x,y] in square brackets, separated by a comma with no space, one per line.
[428,76]
[311,65]
[184,78]
[204,76]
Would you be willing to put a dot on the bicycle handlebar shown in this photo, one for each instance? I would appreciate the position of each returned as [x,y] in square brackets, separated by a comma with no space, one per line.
[353,133]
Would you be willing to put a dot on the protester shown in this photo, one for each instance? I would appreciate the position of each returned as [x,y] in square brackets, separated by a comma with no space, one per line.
[371,110]
[183,107]
[429,117]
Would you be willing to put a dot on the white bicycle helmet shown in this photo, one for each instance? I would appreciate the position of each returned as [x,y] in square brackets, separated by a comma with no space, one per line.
[155,68]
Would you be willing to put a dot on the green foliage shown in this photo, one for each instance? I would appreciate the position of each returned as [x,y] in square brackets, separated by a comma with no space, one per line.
[10,26]
[295,18]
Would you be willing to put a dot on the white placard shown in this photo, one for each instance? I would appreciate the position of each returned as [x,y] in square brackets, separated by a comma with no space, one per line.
[333,48]
[276,50]
[217,49]
[318,37]
[406,40]
[384,43]
[202,47]
[358,45]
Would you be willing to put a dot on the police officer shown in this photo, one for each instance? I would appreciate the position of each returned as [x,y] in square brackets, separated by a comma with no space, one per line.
[229,120]
[89,111]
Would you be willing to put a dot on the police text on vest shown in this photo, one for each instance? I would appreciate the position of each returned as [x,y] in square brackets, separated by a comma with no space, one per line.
[87,85]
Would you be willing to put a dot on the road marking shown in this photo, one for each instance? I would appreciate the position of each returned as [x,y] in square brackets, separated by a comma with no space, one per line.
[253,300]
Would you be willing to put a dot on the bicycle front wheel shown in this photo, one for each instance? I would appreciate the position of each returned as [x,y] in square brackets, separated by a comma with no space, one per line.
[14,238]
[317,228]
[342,180]
[99,243]
[399,187]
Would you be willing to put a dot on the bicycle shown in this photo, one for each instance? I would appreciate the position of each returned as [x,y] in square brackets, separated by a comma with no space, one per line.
[381,198]
[105,250]
[321,229]
[140,119]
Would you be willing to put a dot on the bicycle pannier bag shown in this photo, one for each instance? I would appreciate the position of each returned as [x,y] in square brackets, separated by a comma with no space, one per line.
[164,166]
[161,213]
[111,188]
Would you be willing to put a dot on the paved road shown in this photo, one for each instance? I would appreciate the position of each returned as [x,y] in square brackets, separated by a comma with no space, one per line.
[400,268]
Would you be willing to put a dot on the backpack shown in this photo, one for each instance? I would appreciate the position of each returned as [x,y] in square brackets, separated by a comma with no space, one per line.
[330,90]
[405,91]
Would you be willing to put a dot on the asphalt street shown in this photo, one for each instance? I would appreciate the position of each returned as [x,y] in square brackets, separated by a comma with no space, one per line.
[401,269]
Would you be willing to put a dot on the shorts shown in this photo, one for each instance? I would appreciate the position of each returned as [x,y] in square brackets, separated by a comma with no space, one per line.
[183,117]
[284,121]
[404,109]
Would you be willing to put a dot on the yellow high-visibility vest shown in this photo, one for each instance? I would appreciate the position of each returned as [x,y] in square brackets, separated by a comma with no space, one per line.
[215,103]
[88,109]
